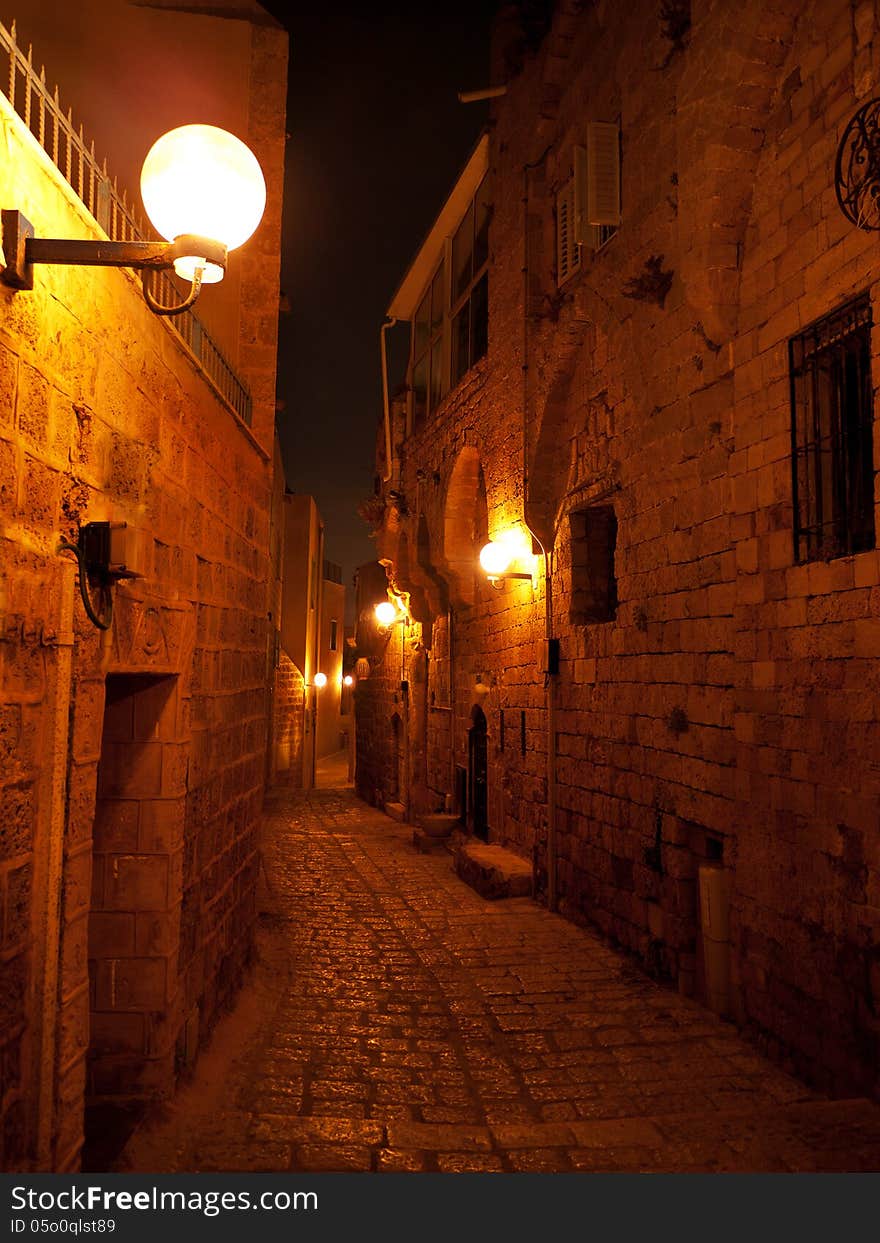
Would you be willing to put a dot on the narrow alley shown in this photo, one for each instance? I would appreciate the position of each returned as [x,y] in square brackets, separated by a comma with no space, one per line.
[397,1021]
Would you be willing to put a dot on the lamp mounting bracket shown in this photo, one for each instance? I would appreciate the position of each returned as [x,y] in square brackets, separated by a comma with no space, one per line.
[22,250]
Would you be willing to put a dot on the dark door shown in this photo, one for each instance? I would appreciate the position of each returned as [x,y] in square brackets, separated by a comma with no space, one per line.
[477,775]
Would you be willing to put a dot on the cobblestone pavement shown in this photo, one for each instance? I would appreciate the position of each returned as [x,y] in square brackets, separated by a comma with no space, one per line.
[398,1021]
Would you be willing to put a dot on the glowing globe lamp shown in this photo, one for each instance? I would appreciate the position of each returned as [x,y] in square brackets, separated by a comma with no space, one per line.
[320,679]
[495,558]
[200,181]
[386,613]
[348,680]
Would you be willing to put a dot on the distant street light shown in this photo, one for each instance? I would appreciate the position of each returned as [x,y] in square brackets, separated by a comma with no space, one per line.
[320,680]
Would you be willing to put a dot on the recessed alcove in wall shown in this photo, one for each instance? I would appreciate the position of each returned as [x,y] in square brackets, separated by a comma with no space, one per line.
[136,893]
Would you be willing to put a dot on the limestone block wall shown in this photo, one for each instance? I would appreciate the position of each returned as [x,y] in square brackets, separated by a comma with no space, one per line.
[722,717]
[289,722]
[129,860]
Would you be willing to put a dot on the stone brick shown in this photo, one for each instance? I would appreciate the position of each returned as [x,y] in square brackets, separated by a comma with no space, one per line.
[131,984]
[135,882]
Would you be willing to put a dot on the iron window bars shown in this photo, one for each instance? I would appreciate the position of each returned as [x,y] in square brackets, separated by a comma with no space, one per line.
[832,435]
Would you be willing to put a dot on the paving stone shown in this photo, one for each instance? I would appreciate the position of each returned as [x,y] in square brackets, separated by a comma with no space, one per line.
[334,1129]
[468,1163]
[335,1158]
[436,1136]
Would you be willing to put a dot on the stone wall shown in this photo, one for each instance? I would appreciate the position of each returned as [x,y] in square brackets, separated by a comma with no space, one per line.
[289,722]
[716,735]
[129,840]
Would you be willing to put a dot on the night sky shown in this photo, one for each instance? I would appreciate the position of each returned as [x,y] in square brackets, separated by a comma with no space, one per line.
[377,139]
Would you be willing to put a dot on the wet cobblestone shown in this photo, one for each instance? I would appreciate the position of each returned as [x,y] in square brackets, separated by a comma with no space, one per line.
[398,1021]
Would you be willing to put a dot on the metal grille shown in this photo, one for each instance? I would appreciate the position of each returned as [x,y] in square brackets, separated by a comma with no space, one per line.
[75,158]
[832,435]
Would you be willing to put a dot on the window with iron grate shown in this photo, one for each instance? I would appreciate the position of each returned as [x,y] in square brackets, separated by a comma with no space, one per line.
[832,416]
[593,534]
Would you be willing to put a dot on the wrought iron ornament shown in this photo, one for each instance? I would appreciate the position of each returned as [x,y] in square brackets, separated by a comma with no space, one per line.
[857,169]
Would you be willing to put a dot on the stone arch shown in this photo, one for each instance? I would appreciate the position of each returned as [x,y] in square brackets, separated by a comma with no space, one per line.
[724,106]
[464,523]
[409,578]
[548,456]
[436,590]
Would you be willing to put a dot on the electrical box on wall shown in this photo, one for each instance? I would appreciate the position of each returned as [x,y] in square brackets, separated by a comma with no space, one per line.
[550,656]
[110,550]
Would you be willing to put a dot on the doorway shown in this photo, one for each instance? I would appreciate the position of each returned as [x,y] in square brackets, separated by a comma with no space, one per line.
[478,801]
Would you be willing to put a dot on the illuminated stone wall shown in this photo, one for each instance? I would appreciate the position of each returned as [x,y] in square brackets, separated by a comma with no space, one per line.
[721,730]
[124,935]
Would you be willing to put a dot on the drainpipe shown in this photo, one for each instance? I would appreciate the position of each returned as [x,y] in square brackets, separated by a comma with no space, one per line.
[549,677]
[383,350]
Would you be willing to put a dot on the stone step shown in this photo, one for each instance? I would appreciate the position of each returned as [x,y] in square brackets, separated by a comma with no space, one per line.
[396,811]
[492,871]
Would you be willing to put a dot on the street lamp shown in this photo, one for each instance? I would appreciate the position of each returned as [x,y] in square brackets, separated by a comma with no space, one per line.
[203,191]
[496,558]
[388,614]
[319,680]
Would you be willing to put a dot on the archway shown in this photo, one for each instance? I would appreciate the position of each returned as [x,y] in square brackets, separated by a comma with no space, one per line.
[464,522]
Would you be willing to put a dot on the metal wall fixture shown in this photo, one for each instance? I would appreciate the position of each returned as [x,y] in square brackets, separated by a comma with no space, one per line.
[204,192]
[105,552]
[857,168]
[497,557]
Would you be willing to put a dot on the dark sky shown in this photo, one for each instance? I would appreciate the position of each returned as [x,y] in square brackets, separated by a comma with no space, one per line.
[377,139]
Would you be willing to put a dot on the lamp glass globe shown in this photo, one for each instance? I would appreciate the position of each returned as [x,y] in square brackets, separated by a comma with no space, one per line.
[202,180]
[495,557]
[386,613]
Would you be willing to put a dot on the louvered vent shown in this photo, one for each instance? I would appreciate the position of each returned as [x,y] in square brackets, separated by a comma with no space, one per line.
[568,251]
[603,174]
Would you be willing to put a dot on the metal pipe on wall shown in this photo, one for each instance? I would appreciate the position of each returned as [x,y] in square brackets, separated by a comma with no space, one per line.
[549,678]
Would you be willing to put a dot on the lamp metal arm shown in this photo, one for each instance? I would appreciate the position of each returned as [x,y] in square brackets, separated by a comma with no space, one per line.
[21,250]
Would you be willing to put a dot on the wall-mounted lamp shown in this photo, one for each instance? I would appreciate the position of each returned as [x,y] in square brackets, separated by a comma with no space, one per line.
[203,191]
[497,557]
[388,614]
[319,680]
[348,680]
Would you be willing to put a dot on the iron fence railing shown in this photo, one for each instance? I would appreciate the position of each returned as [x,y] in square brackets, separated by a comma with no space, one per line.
[75,158]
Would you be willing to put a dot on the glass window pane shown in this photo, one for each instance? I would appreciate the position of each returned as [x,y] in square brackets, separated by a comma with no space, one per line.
[420,389]
[461,342]
[462,252]
[480,318]
[437,300]
[436,375]
[420,327]
[481,225]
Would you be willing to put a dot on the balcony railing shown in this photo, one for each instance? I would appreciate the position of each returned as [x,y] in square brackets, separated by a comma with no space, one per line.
[75,158]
